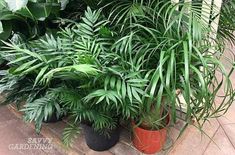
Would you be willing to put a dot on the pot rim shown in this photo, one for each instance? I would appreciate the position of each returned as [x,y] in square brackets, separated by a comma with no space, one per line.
[163,128]
[146,130]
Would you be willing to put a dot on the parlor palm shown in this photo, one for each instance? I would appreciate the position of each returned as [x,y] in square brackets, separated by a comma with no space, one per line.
[156,53]
[130,57]
[38,64]
[166,50]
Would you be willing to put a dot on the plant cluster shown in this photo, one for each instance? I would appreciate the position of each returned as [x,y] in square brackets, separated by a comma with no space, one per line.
[122,60]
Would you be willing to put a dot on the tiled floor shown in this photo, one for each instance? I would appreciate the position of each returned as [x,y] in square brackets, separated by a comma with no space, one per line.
[220,139]
[14,132]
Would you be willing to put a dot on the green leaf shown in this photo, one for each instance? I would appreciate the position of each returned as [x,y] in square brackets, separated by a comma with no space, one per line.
[32,68]
[40,11]
[112,82]
[129,92]
[24,66]
[63,4]
[83,68]
[3,5]
[124,89]
[6,29]
[136,95]
[1,27]
[40,75]
[70,133]
[15,5]
[19,59]
[119,85]
[24,12]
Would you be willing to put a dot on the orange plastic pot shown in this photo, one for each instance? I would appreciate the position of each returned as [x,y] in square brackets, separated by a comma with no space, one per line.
[148,141]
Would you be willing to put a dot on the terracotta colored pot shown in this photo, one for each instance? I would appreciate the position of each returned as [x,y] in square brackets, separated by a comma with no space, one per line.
[148,141]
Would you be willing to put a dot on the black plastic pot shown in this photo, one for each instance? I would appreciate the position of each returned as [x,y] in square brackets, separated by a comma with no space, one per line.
[53,118]
[99,142]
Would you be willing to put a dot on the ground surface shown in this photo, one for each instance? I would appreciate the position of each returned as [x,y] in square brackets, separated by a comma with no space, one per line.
[221,131]
[16,136]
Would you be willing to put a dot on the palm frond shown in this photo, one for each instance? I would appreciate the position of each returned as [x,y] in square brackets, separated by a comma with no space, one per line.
[70,133]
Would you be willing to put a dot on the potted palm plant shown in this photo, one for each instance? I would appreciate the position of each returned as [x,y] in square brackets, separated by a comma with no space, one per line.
[100,122]
[169,49]
[131,69]
[95,100]
[21,86]
[100,105]
[79,50]
[158,53]
[35,102]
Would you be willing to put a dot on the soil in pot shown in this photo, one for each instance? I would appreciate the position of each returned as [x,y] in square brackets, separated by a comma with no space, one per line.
[100,142]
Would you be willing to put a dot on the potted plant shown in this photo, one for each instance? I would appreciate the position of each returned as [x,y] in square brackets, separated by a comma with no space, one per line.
[94,100]
[153,61]
[95,104]
[169,50]
[34,101]
[77,53]
[130,68]
[149,138]
[21,85]
[44,109]
[100,122]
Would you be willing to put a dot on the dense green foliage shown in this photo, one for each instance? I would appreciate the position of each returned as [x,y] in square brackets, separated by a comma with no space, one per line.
[227,22]
[123,60]
[27,17]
